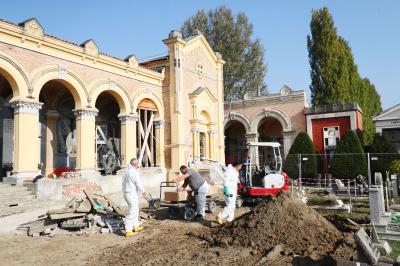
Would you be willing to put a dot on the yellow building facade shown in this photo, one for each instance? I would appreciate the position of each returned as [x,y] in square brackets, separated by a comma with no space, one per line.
[69,105]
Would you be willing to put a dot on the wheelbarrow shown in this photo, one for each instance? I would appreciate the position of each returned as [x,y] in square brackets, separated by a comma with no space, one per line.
[178,209]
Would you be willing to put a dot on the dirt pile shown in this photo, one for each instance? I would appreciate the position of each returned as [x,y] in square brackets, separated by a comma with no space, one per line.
[289,224]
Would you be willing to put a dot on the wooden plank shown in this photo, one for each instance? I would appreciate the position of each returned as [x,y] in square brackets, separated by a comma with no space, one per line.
[85,206]
[151,153]
[146,137]
[116,208]
[146,146]
[59,216]
[139,136]
[145,141]
[61,211]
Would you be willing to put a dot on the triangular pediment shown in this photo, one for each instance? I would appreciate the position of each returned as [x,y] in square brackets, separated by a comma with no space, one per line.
[199,42]
[32,27]
[203,91]
[90,47]
[389,114]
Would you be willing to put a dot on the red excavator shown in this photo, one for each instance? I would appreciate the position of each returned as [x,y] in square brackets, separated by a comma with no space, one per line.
[261,175]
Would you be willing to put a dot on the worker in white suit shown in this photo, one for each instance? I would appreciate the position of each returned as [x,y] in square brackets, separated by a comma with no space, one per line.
[231,180]
[132,187]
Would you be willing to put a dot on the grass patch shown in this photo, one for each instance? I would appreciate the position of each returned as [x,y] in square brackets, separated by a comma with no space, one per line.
[313,200]
[395,245]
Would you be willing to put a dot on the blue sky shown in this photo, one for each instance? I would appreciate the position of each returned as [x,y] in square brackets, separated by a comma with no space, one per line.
[124,27]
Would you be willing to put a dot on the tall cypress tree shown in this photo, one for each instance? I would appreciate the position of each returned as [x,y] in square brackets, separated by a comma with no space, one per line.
[334,74]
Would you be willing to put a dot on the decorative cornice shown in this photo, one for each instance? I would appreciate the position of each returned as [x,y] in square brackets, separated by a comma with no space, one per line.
[295,96]
[159,124]
[85,114]
[33,35]
[25,106]
[128,119]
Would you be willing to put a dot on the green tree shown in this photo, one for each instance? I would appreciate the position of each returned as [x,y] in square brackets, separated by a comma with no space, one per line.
[383,152]
[301,145]
[334,74]
[349,160]
[231,35]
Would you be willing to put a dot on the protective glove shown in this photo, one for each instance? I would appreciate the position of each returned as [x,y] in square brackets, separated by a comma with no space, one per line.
[226,191]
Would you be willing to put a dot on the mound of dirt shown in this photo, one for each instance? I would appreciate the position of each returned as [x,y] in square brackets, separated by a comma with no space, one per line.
[291,225]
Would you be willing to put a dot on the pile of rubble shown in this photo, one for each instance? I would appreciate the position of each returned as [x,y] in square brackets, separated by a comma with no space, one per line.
[86,213]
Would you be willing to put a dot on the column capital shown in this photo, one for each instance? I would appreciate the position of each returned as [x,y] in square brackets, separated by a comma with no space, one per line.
[127,119]
[212,132]
[159,123]
[85,113]
[26,106]
[195,130]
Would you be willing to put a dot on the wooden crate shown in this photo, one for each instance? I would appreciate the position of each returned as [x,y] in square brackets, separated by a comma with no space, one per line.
[177,196]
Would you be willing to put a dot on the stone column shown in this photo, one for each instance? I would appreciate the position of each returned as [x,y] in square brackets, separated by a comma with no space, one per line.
[26,139]
[287,142]
[128,138]
[86,141]
[253,137]
[51,139]
[196,142]
[212,145]
[159,135]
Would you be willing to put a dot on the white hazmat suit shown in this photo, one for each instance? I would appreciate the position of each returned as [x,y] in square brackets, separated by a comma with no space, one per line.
[231,179]
[132,187]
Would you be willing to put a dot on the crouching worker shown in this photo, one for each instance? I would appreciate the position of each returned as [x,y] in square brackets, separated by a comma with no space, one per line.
[199,187]
[132,187]
[231,180]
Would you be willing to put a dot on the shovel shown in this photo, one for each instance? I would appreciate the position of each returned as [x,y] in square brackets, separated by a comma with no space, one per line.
[154,204]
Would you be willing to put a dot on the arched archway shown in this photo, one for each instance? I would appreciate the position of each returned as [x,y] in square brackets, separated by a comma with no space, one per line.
[64,76]
[6,127]
[269,130]
[235,141]
[58,134]
[108,133]
[115,89]
[15,75]
[270,112]
[149,132]
[234,116]
[143,94]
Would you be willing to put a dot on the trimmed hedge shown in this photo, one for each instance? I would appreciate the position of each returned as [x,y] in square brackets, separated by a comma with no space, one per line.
[349,160]
[384,151]
[302,144]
